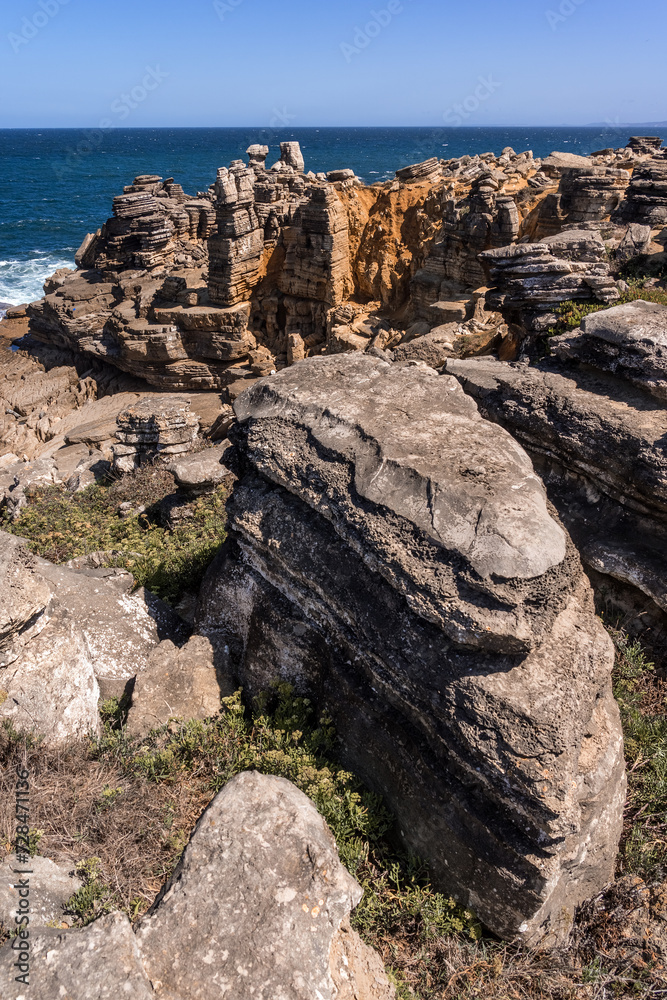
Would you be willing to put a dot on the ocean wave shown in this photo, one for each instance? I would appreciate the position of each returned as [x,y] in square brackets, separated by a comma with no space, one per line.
[23,280]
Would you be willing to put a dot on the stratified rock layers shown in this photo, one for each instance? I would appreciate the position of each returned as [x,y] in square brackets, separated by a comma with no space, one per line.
[393,556]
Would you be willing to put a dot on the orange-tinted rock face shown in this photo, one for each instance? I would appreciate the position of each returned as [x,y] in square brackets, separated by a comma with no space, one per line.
[184,291]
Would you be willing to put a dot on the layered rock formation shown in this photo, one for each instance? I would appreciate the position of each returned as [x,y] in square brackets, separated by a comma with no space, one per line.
[530,280]
[586,195]
[155,427]
[392,555]
[594,421]
[257,907]
[646,197]
[250,276]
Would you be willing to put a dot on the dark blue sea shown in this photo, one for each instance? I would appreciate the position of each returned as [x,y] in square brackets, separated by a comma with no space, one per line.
[56,185]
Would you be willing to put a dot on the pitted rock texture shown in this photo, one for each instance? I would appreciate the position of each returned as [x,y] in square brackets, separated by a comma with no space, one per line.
[260,886]
[101,961]
[47,682]
[51,886]
[393,556]
[629,341]
[258,909]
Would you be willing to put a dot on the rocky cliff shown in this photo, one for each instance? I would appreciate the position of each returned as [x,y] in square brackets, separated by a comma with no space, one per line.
[413,502]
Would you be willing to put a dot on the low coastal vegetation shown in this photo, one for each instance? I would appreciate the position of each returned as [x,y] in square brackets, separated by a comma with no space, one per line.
[169,560]
[121,811]
[572,313]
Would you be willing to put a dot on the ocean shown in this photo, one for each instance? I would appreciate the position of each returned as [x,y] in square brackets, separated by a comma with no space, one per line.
[56,185]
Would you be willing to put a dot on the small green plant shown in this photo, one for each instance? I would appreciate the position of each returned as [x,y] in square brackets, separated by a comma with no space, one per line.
[109,796]
[282,735]
[59,526]
[94,898]
[34,837]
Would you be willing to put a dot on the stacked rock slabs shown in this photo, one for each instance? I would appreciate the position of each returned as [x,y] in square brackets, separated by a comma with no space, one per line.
[393,556]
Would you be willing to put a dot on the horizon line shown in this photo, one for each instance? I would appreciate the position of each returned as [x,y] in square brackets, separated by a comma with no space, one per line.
[451,128]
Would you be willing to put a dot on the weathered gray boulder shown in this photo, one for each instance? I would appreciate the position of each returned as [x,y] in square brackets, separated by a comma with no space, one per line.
[47,681]
[393,556]
[629,341]
[120,625]
[258,909]
[100,962]
[176,683]
[598,444]
[255,906]
[51,689]
[51,885]
[24,597]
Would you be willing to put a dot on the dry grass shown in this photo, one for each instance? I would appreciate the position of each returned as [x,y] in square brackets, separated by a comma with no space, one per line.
[133,806]
[87,809]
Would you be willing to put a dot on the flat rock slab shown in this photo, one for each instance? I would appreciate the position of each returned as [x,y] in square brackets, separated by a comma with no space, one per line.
[629,341]
[50,887]
[100,962]
[120,626]
[600,427]
[600,444]
[203,470]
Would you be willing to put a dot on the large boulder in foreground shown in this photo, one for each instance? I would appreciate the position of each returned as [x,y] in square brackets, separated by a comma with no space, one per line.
[256,904]
[257,909]
[393,555]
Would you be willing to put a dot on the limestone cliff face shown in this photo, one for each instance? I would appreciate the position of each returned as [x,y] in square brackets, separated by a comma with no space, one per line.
[272,265]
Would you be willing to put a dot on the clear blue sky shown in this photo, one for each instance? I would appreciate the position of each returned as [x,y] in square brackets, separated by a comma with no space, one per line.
[253,62]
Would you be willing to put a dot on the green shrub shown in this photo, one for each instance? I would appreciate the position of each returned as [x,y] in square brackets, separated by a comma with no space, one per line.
[644,718]
[60,526]
[281,736]
[573,313]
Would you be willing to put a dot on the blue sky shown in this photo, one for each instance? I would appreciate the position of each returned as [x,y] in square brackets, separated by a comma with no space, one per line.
[346,62]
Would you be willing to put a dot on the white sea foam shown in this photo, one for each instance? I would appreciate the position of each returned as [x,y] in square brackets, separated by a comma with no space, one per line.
[23,280]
